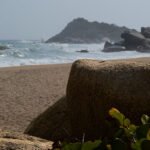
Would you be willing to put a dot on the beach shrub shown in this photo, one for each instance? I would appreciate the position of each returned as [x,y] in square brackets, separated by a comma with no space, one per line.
[127,137]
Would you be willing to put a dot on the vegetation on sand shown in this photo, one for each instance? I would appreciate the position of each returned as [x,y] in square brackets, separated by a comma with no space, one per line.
[127,136]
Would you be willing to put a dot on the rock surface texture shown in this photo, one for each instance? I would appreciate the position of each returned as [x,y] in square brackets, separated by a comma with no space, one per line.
[18,141]
[96,86]
[53,124]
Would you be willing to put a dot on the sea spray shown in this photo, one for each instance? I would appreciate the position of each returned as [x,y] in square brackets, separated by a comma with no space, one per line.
[26,52]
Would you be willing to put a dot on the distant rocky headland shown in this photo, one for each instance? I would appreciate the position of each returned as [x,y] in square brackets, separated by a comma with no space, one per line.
[81,30]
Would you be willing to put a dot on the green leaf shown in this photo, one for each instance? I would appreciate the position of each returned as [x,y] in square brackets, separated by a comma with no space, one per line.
[119,133]
[145,145]
[148,135]
[131,130]
[137,144]
[108,147]
[103,146]
[141,131]
[90,145]
[119,144]
[114,113]
[72,146]
[126,122]
[145,119]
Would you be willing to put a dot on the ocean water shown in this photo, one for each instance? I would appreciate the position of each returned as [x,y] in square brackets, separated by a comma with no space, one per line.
[23,52]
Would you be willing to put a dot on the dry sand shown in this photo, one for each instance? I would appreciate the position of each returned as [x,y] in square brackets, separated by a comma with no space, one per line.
[27,91]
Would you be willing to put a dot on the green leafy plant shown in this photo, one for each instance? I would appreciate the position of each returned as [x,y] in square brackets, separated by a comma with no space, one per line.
[82,146]
[127,137]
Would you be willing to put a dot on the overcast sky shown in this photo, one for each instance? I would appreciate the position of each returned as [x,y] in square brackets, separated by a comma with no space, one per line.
[36,19]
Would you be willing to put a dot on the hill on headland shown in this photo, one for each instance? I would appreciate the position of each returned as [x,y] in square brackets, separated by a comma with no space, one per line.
[81,30]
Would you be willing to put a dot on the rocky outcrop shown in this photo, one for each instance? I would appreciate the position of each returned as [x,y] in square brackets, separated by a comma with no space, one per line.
[135,40]
[53,124]
[133,37]
[132,40]
[2,47]
[146,31]
[96,86]
[109,47]
[107,44]
[17,141]
[81,30]
[83,51]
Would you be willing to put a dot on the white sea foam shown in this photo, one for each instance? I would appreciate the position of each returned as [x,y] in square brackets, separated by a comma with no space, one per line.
[26,41]
[34,53]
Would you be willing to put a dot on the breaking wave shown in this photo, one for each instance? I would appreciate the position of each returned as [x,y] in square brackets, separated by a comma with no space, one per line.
[26,52]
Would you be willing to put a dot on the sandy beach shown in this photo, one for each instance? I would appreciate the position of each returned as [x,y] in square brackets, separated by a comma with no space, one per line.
[27,91]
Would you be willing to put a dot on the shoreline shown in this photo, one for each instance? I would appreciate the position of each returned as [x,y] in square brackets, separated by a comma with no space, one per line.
[34,65]
[27,91]
[65,63]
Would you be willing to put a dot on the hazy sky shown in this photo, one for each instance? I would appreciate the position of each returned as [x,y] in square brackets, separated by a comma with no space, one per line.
[36,19]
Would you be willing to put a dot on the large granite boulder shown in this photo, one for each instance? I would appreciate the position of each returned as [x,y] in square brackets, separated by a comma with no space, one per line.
[133,36]
[52,124]
[17,141]
[96,86]
[114,47]
[146,31]
[107,44]
[133,39]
